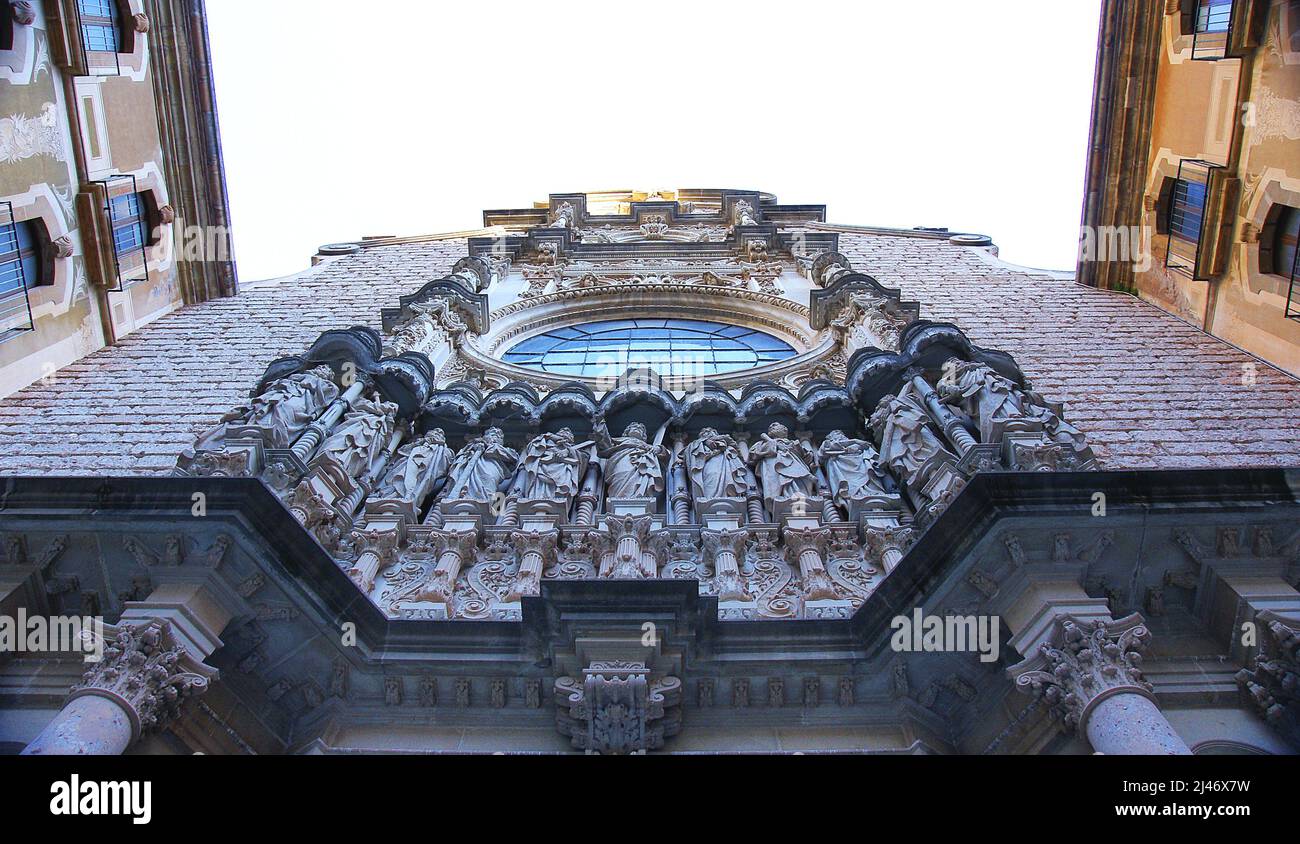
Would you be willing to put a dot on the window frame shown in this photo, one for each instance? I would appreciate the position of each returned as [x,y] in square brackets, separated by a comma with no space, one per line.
[30,260]
[673,347]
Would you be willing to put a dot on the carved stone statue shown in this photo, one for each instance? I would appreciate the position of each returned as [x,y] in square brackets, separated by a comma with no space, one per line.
[418,466]
[283,409]
[715,467]
[781,465]
[851,468]
[633,466]
[908,445]
[1057,429]
[481,466]
[552,467]
[357,445]
[982,394]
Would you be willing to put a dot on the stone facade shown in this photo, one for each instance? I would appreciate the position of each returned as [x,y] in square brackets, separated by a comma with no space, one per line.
[554,561]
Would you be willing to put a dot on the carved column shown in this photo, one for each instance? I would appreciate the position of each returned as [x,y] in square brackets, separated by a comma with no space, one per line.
[454,548]
[681,500]
[889,544]
[318,430]
[808,548]
[536,549]
[586,507]
[1090,674]
[724,549]
[378,550]
[138,687]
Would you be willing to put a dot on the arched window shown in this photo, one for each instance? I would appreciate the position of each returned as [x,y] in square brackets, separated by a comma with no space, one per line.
[1277,241]
[670,347]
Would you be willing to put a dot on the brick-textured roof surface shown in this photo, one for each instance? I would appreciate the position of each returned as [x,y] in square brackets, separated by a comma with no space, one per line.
[134,407]
[1147,389]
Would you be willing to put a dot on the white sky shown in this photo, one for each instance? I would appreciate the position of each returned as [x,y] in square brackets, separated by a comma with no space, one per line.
[342,119]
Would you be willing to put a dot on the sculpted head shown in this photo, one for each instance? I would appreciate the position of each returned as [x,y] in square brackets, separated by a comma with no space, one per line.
[494,435]
[836,437]
[565,435]
[708,433]
[635,430]
[437,435]
[777,431]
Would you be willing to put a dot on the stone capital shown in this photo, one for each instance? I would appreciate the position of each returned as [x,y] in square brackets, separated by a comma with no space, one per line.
[543,543]
[1085,662]
[147,672]
[716,542]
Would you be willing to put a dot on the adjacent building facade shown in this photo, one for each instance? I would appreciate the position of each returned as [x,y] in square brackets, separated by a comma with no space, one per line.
[112,197]
[683,471]
[1193,186]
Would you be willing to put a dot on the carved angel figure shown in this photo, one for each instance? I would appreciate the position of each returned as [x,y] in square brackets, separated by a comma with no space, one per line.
[552,466]
[781,465]
[851,468]
[418,466]
[715,467]
[481,466]
[633,466]
[358,443]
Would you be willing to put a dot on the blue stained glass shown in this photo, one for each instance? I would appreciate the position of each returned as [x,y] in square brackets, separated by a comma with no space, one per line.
[673,347]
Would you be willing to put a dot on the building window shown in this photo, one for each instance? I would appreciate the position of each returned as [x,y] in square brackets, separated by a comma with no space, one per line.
[129,216]
[1278,252]
[1187,218]
[1213,15]
[670,347]
[101,29]
[21,268]
[1187,211]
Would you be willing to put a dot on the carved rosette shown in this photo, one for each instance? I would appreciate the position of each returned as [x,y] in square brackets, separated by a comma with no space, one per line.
[1273,680]
[146,672]
[618,708]
[1083,664]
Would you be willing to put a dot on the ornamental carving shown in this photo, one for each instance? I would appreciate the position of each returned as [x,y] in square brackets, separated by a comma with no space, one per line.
[145,668]
[618,708]
[1083,663]
[1272,681]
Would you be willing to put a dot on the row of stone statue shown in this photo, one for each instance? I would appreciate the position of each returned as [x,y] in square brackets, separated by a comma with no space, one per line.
[920,432]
